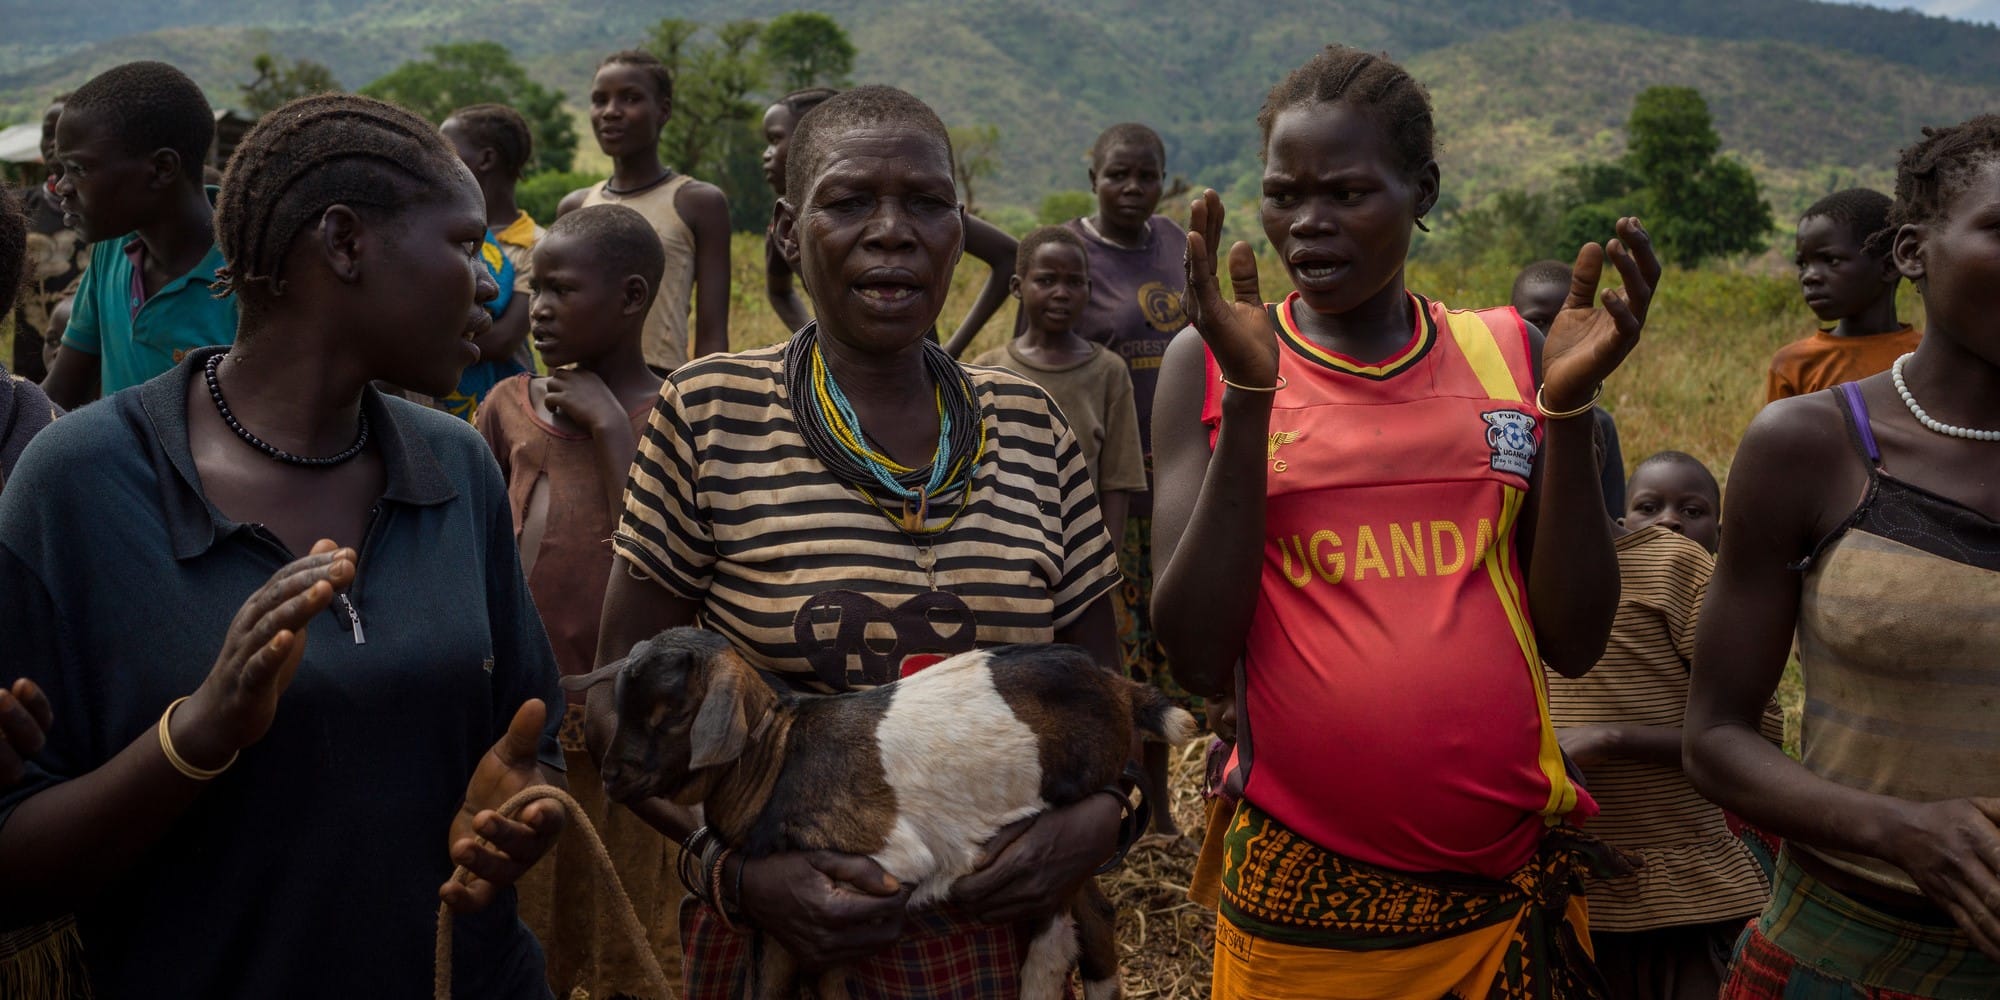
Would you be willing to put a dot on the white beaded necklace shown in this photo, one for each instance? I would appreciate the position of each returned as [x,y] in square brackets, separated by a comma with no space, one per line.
[1930,423]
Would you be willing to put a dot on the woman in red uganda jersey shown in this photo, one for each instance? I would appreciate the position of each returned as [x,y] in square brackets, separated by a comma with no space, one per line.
[1353,487]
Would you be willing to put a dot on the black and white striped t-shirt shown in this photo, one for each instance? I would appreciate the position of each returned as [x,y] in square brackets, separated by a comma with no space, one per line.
[728,506]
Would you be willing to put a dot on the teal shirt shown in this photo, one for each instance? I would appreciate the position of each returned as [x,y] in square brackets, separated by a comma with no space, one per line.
[178,318]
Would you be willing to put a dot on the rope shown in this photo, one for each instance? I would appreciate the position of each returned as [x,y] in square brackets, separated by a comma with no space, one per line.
[607,878]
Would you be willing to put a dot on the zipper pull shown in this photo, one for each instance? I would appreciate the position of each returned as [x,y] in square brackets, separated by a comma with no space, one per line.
[353,617]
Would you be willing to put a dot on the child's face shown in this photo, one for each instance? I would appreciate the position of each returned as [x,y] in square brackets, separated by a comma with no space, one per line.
[1960,260]
[1838,277]
[106,190]
[1055,289]
[1676,496]
[429,279]
[877,236]
[626,112]
[1538,303]
[1337,206]
[1127,185]
[580,310]
[778,124]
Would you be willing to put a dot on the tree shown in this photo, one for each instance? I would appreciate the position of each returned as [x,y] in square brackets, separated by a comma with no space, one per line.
[806,48]
[279,83]
[976,156]
[712,85]
[465,73]
[1706,205]
[1059,207]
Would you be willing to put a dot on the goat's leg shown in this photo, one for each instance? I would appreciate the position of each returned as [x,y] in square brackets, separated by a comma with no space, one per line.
[1097,942]
[1050,956]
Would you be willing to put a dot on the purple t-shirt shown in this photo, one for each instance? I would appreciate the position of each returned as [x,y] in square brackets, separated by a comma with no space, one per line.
[1135,308]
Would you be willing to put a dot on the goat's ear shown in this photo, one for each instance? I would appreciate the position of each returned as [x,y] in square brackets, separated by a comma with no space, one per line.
[723,725]
[584,682]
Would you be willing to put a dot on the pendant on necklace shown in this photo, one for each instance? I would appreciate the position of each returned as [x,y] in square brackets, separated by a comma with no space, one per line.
[926,558]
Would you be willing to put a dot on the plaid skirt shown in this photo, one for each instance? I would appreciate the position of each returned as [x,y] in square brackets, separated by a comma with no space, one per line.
[1813,943]
[941,957]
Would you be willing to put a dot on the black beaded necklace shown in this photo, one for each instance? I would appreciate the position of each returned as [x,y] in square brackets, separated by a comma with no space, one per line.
[215,392]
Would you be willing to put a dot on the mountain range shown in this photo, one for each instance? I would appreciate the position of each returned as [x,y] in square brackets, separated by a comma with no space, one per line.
[1813,96]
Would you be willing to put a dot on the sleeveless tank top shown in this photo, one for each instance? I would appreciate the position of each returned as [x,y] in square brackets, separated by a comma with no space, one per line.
[666,340]
[1391,704]
[1899,645]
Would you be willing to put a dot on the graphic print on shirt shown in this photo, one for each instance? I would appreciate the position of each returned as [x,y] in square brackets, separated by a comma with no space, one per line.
[852,640]
[1511,435]
[1278,440]
[1161,306]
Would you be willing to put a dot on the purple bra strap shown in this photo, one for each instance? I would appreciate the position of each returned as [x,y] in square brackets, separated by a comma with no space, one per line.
[1857,411]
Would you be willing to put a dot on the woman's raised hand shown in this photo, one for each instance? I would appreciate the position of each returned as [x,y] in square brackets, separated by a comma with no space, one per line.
[1586,342]
[233,708]
[1237,330]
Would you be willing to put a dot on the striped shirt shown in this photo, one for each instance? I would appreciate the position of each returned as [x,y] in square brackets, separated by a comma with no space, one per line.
[727,505]
[1695,871]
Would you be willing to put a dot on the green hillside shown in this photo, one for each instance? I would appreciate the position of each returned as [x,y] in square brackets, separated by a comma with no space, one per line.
[1523,86]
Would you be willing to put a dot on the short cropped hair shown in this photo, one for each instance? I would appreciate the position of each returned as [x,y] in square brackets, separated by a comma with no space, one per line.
[1684,460]
[798,102]
[657,71]
[1126,134]
[1863,212]
[503,130]
[1369,82]
[314,153]
[148,106]
[863,107]
[620,239]
[1541,272]
[1042,236]
[1931,172]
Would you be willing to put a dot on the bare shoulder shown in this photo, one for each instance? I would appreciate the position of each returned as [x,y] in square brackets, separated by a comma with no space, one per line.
[572,201]
[700,201]
[1797,470]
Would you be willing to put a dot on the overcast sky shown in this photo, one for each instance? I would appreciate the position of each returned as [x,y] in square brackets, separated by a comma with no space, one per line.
[1987,11]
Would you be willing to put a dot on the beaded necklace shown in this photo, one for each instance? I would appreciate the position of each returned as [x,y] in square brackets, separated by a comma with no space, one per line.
[832,430]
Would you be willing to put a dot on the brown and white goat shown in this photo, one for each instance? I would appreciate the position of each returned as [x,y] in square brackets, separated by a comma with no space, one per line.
[918,775]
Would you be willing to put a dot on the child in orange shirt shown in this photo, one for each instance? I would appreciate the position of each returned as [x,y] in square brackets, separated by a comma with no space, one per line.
[1849,281]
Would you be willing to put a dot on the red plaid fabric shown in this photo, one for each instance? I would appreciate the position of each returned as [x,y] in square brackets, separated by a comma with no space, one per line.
[1764,971]
[939,958]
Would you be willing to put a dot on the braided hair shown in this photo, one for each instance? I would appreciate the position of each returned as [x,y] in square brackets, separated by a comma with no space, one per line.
[1863,212]
[149,106]
[501,129]
[1932,171]
[1368,82]
[311,154]
[13,249]
[1126,134]
[1042,236]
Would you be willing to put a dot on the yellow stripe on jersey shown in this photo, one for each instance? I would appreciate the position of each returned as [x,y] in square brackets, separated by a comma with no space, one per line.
[1482,352]
[1503,569]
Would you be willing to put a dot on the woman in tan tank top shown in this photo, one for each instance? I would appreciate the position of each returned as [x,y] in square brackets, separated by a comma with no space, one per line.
[631,99]
[1866,519]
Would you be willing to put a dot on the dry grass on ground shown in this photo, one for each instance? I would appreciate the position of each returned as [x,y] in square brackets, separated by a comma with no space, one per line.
[1165,940]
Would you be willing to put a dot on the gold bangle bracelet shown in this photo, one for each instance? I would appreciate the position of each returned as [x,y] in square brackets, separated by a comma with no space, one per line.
[1252,388]
[1548,414]
[180,764]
